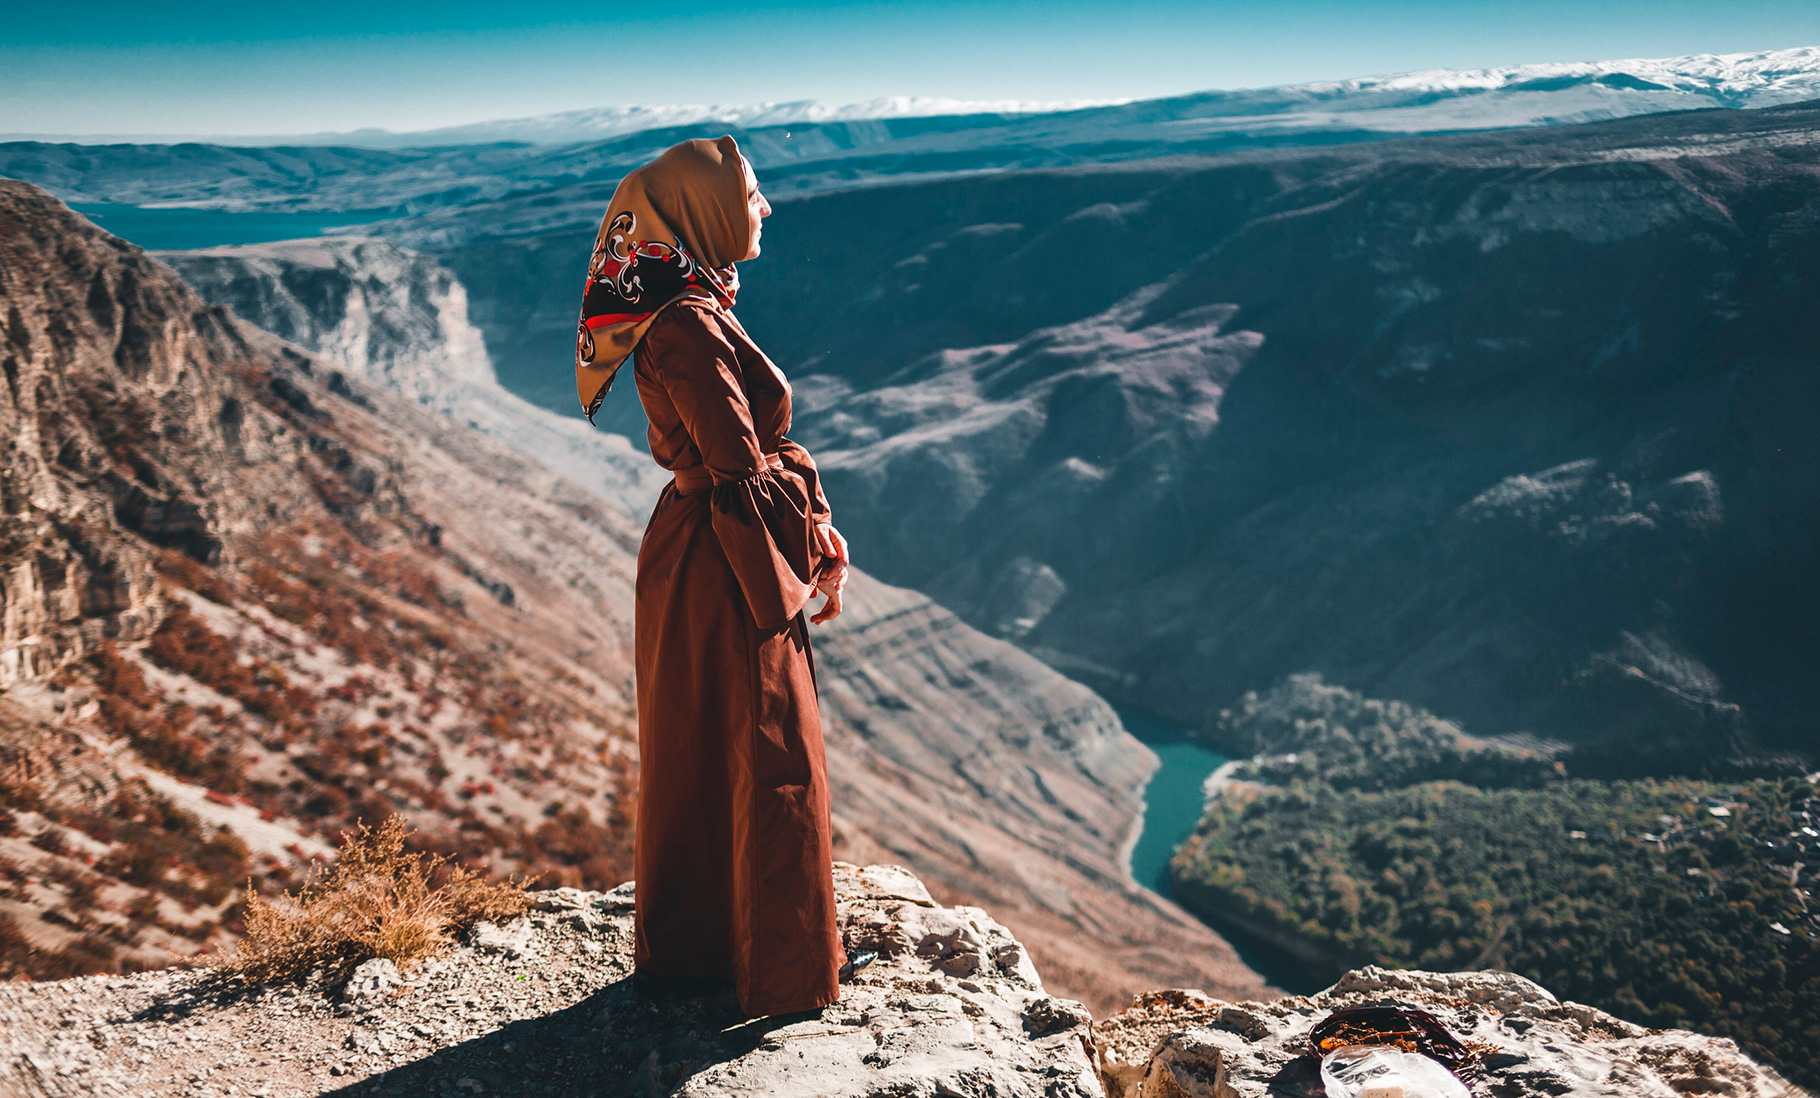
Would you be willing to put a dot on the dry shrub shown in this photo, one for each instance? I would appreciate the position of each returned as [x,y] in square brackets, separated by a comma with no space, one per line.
[188,572]
[377,900]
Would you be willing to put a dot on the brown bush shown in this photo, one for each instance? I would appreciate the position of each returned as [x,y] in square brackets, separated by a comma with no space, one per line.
[377,900]
[155,838]
[572,849]
[188,572]
[160,734]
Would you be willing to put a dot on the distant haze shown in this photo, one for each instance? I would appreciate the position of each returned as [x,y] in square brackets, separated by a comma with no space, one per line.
[1430,100]
[212,69]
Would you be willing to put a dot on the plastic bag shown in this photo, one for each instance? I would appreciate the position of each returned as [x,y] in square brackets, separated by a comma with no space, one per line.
[1377,1071]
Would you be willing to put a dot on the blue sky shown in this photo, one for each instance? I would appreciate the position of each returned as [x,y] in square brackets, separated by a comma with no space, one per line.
[271,68]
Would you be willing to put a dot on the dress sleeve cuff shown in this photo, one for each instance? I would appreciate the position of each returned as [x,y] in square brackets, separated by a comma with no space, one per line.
[765,525]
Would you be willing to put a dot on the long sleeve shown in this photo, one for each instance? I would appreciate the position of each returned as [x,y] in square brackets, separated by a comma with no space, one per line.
[798,461]
[764,511]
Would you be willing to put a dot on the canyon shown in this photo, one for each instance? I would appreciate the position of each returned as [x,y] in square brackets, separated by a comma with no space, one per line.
[256,591]
[1503,425]
[1511,426]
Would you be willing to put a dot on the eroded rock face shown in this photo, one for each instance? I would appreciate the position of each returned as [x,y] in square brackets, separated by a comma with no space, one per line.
[167,473]
[1182,1044]
[400,319]
[952,1006]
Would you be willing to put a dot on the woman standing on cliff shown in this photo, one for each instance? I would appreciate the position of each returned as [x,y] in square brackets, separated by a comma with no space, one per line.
[734,846]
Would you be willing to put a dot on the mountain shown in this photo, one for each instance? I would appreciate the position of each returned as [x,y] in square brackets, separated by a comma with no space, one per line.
[540,174]
[250,601]
[596,123]
[1509,426]
[1403,414]
[400,319]
[256,597]
[1427,101]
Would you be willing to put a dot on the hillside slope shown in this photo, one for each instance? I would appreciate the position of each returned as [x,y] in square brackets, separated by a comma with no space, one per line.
[400,319]
[366,607]
[249,601]
[1513,427]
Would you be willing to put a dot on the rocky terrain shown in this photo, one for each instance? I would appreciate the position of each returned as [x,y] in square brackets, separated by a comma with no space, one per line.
[249,600]
[953,1006]
[546,1006]
[1177,1044]
[400,319]
[458,652]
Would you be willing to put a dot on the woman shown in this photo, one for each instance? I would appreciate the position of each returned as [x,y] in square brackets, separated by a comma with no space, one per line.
[734,854]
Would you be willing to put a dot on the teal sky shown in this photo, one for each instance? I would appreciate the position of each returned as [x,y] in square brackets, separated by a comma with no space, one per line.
[262,68]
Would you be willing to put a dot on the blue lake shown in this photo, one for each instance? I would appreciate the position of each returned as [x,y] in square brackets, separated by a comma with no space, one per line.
[1172,800]
[159,228]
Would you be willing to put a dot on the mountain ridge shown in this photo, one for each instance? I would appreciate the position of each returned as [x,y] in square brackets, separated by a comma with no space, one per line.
[1747,79]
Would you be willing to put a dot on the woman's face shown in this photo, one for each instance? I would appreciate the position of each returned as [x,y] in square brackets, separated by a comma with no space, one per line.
[756,206]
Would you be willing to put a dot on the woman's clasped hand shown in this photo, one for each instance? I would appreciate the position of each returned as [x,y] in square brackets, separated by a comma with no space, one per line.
[831,577]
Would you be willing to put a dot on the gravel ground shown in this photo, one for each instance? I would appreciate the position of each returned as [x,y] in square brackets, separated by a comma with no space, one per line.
[545,1006]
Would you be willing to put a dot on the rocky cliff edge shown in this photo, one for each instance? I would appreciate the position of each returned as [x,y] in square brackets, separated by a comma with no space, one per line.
[545,1006]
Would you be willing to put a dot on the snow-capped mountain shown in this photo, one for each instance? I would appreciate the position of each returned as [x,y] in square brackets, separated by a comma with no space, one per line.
[1427,101]
[1514,95]
[596,123]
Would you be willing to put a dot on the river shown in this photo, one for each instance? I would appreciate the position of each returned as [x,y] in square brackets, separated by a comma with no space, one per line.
[1172,806]
[1172,800]
[165,227]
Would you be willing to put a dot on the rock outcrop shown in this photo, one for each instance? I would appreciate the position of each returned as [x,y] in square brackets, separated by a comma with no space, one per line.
[953,1006]
[1181,1044]
[546,1006]
[400,319]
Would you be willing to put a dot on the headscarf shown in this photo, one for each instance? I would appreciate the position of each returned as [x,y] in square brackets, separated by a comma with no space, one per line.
[674,229]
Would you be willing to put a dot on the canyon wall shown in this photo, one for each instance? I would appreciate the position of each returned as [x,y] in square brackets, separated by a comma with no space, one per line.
[378,609]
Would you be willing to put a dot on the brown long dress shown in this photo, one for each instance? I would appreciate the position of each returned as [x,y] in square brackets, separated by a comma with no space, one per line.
[734,846]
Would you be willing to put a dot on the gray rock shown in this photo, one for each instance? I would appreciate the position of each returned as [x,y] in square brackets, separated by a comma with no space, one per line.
[371,983]
[1043,1017]
[904,1026]
[515,941]
[1185,1045]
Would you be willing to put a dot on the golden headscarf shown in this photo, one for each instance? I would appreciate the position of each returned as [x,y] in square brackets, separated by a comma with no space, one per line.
[674,229]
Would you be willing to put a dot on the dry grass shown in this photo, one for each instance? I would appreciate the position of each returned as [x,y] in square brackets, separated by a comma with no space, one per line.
[376,901]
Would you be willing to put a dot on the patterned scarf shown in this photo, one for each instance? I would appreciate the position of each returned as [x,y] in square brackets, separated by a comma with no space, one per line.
[674,229]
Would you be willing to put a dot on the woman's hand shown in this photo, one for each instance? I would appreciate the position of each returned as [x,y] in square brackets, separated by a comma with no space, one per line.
[831,579]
